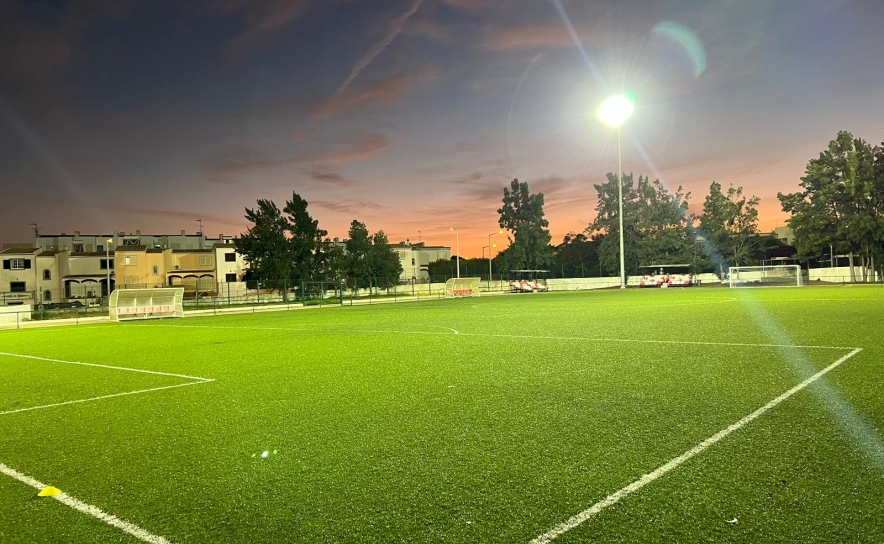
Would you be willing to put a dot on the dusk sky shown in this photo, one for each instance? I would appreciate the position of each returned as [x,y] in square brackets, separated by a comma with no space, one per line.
[412,115]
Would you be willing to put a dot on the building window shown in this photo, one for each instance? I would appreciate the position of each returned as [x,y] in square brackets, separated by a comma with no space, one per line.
[17,287]
[130,260]
[17,264]
[100,248]
[78,248]
[103,264]
[47,274]
[205,260]
[131,280]
[230,257]
[230,278]
[47,295]
[412,261]
[155,270]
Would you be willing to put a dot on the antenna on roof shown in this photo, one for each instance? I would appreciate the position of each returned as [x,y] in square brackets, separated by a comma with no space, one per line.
[36,230]
[200,221]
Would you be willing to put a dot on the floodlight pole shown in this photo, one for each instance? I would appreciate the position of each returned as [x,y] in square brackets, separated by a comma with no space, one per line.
[620,206]
[107,265]
[457,248]
[490,257]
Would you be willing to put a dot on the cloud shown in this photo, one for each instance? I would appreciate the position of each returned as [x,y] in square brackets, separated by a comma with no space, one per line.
[369,147]
[530,36]
[447,34]
[323,175]
[172,214]
[379,47]
[233,165]
[32,47]
[262,17]
[471,4]
[380,93]
[346,207]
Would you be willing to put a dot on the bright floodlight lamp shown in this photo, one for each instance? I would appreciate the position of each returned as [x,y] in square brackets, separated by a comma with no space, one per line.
[615,110]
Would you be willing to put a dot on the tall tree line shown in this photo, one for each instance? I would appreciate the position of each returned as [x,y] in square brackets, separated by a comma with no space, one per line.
[840,207]
[286,247]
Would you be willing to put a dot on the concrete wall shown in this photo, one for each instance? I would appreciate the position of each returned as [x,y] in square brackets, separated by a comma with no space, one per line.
[838,274]
[10,315]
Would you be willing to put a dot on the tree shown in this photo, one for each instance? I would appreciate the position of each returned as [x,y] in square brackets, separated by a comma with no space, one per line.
[730,224]
[264,245]
[578,256]
[306,247]
[358,245]
[841,202]
[282,249]
[370,256]
[522,215]
[383,261]
[656,225]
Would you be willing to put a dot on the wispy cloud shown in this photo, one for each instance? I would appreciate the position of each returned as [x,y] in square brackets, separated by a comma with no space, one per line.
[235,164]
[367,148]
[263,17]
[530,36]
[384,92]
[379,47]
[324,175]
[346,207]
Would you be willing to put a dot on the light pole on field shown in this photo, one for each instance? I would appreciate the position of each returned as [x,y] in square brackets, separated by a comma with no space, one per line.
[500,231]
[488,247]
[457,248]
[613,112]
[108,266]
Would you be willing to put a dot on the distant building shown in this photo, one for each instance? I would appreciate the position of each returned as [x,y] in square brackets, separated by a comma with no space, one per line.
[416,258]
[784,234]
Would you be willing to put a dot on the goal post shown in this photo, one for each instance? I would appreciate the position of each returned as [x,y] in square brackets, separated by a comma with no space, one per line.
[127,304]
[462,287]
[788,275]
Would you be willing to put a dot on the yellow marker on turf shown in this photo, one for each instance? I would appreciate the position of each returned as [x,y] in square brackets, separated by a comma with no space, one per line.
[49,491]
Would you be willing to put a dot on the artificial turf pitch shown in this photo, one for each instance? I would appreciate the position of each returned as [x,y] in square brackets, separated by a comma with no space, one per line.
[489,419]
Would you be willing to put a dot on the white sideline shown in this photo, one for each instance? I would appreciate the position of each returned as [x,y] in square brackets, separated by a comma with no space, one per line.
[105,366]
[28,409]
[516,336]
[673,463]
[93,511]
[195,380]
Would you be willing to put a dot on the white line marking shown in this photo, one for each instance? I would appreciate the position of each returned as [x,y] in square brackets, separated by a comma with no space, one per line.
[93,511]
[515,336]
[196,378]
[104,397]
[672,464]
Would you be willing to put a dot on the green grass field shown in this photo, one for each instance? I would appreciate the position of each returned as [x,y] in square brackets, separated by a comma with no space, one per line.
[492,419]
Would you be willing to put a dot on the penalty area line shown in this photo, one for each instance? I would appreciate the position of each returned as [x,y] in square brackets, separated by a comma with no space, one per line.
[675,462]
[94,511]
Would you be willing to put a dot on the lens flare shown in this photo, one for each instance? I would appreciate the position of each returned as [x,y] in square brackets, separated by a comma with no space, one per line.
[688,40]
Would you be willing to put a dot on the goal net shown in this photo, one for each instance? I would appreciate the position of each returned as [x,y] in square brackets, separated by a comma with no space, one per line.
[128,304]
[762,276]
[462,287]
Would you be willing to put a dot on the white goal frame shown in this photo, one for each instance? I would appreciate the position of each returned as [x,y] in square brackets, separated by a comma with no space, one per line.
[462,287]
[783,275]
[129,304]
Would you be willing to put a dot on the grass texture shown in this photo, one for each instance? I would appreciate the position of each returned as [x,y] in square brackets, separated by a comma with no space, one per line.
[488,419]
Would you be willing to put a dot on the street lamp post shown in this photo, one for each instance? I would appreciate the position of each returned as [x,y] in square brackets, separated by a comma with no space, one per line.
[490,257]
[614,112]
[489,247]
[108,266]
[457,248]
